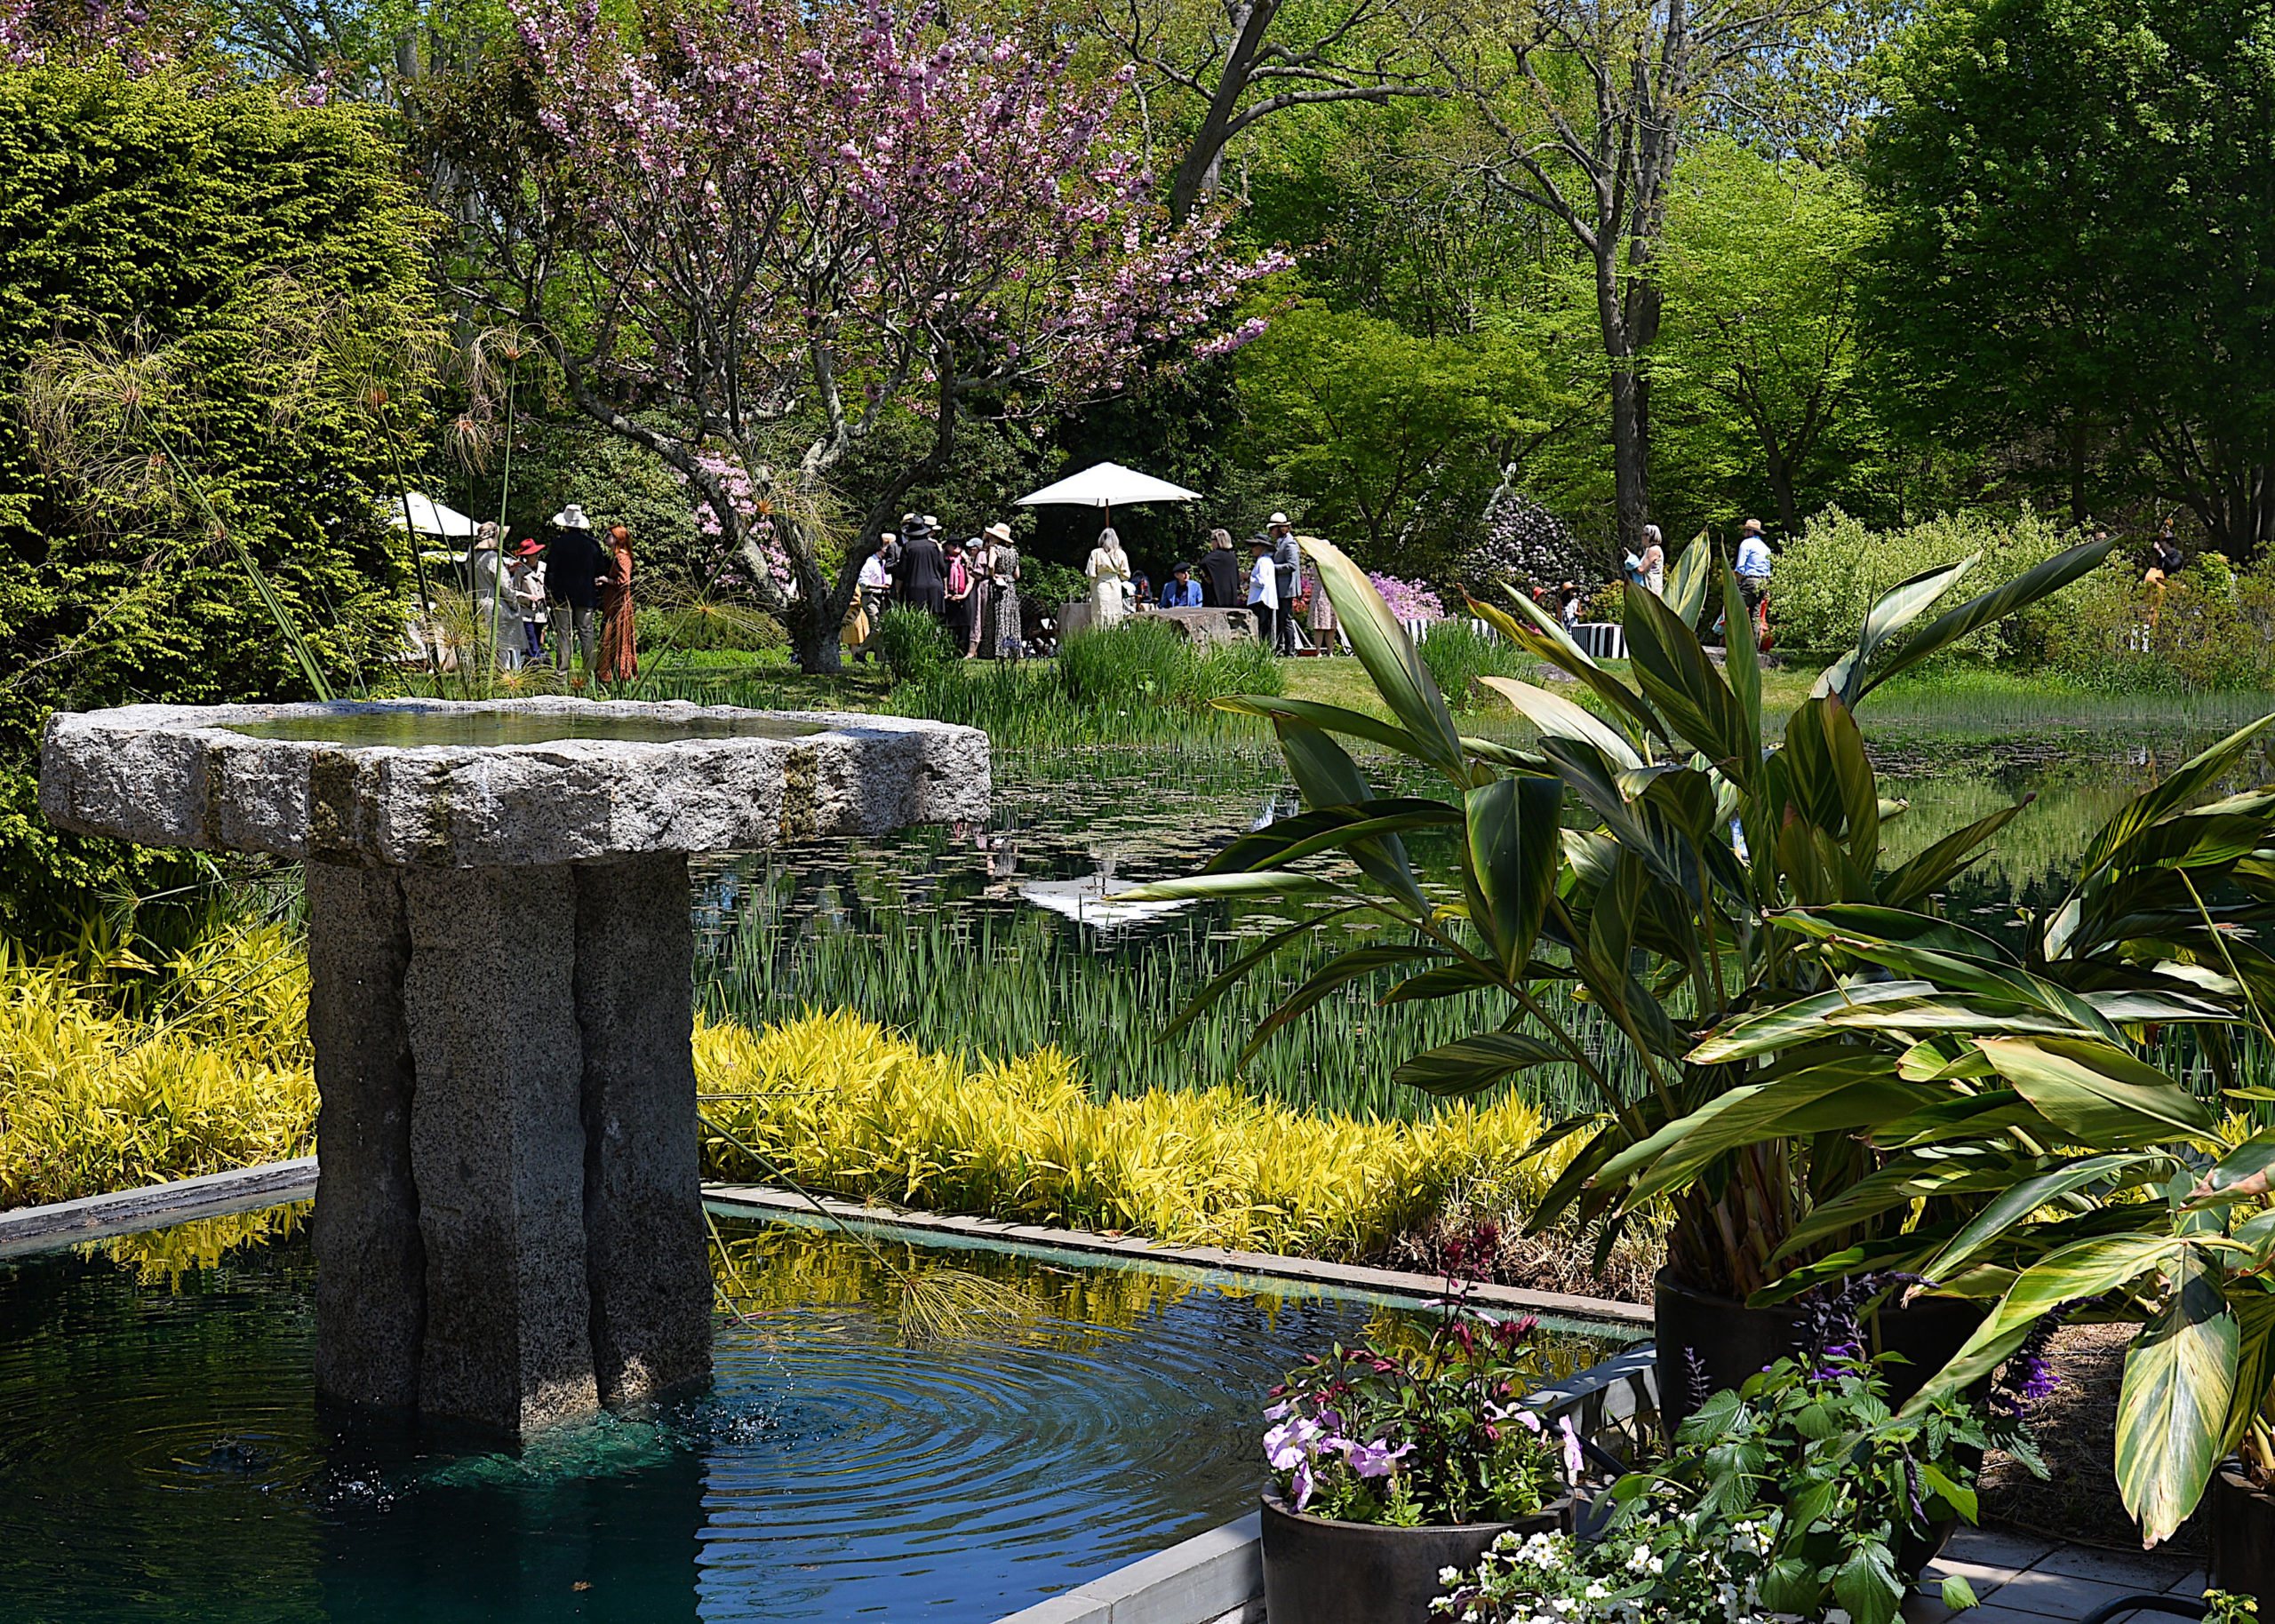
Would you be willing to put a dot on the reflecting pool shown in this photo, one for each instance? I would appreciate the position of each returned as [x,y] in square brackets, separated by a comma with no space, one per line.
[162,1459]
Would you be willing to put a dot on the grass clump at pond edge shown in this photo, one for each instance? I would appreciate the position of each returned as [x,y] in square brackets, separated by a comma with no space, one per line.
[843,1106]
[1140,680]
[94,1099]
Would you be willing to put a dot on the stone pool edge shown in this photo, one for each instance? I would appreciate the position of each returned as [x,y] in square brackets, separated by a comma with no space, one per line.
[150,1207]
[764,1200]
[125,1211]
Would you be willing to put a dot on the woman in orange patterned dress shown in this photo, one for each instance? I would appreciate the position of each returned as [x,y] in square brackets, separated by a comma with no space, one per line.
[619,655]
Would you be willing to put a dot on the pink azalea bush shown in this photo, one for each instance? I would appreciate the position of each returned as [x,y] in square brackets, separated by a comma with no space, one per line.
[1407,599]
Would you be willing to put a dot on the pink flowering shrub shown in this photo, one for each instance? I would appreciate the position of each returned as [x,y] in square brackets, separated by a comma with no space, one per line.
[1407,599]
[32,32]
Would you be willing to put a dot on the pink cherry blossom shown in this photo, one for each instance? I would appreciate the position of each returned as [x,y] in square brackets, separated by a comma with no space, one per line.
[826,210]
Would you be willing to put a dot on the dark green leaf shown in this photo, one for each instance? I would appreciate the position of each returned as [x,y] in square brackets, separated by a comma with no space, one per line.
[1473,1064]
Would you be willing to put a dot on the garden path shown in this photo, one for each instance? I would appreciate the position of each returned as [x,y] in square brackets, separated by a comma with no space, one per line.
[2026,1579]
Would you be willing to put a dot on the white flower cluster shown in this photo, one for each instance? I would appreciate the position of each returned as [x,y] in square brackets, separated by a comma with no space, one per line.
[1651,1569]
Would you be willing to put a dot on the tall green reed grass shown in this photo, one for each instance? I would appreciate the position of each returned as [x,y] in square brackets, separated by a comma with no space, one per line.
[1137,682]
[1457,653]
[988,987]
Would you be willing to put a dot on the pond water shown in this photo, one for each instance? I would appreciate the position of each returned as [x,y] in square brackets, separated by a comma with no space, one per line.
[995,939]
[411,728]
[162,1460]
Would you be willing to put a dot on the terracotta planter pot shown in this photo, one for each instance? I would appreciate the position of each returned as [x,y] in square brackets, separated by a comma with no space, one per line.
[2242,1521]
[1732,1341]
[1319,1570]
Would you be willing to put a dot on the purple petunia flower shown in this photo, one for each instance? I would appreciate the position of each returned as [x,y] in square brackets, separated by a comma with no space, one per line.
[1573,1458]
[1375,1460]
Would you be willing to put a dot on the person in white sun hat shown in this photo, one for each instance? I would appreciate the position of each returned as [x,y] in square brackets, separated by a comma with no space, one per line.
[573,568]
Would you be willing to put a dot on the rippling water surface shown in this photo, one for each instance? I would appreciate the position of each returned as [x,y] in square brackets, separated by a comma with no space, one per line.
[161,1457]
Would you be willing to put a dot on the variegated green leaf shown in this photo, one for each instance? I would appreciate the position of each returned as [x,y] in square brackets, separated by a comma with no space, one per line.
[2097,1092]
[1975,613]
[1772,1030]
[1558,716]
[2172,1411]
[2018,1202]
[1392,660]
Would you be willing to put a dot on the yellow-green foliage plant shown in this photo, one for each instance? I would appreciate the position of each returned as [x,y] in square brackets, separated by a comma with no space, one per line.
[93,1100]
[839,1104]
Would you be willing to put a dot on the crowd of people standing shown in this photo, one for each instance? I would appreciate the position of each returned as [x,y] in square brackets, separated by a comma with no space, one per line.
[572,594]
[969,585]
[1290,612]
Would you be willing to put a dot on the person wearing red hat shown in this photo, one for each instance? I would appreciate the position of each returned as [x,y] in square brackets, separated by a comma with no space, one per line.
[525,582]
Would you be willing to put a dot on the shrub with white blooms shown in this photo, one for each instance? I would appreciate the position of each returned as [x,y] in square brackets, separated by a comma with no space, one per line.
[1654,1567]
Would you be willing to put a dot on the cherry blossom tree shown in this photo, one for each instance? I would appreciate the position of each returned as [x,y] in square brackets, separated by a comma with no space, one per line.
[786,222]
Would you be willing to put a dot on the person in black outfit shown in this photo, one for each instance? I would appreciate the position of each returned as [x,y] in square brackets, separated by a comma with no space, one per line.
[922,577]
[1221,584]
[2165,554]
[573,568]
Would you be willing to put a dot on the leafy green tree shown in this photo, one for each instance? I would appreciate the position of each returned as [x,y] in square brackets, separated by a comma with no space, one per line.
[167,199]
[1581,112]
[2077,196]
[1367,420]
[1235,63]
[1759,340]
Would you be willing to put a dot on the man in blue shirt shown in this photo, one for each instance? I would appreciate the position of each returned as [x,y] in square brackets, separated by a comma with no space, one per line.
[1183,591]
[1752,568]
[1751,565]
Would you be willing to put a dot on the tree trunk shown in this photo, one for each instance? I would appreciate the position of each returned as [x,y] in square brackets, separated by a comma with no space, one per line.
[1629,318]
[1196,175]
[814,646]
[1631,454]
[1780,473]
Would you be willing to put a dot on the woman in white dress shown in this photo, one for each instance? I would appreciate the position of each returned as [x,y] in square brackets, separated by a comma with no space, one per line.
[1654,562]
[1109,573]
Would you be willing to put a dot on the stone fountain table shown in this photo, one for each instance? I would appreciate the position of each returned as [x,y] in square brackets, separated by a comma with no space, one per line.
[508,1222]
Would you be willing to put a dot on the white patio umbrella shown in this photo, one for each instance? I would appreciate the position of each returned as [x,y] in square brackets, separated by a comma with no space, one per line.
[429,517]
[1107,485]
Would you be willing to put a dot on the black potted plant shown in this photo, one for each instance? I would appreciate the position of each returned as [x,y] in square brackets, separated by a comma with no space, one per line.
[1799,1494]
[1390,1464]
[2239,1507]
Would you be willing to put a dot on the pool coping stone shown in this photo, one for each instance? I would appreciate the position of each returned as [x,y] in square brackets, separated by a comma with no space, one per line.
[125,1212]
[1209,1579]
[32,1228]
[1389,1282]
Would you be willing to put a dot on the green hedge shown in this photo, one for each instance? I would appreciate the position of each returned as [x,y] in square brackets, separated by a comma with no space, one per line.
[2210,627]
[165,198]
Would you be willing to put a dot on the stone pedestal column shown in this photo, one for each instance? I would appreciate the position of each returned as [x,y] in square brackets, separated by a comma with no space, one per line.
[508,1220]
